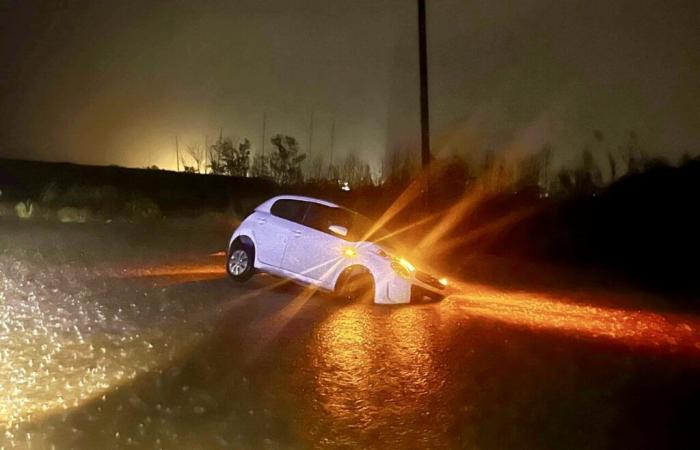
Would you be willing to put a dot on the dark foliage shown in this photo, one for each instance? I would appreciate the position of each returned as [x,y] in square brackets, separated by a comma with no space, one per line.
[174,193]
[645,225]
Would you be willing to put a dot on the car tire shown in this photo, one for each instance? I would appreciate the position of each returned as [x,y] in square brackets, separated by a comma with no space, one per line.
[239,262]
[356,286]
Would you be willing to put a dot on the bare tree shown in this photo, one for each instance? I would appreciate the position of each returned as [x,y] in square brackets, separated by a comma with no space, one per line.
[355,171]
[400,167]
[196,153]
[260,166]
[315,169]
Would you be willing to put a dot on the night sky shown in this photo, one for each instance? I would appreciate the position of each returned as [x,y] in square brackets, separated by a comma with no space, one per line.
[113,82]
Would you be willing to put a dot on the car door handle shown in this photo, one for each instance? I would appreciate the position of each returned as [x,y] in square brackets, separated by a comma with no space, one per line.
[296,233]
[261,221]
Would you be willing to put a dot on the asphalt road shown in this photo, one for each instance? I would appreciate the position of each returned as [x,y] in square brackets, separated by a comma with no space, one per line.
[180,357]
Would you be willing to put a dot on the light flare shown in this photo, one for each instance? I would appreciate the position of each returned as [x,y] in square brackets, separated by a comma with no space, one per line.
[538,311]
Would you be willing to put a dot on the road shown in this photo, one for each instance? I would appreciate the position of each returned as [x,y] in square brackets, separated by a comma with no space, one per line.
[185,358]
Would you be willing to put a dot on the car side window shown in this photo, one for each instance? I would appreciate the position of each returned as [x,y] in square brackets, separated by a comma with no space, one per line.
[293,210]
[320,217]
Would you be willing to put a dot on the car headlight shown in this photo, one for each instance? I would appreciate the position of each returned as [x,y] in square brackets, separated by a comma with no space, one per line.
[400,270]
[402,267]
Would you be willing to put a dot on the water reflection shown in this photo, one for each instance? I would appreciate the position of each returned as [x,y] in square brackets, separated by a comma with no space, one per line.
[376,380]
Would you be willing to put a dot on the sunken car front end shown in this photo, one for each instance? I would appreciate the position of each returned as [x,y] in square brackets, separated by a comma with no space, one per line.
[402,282]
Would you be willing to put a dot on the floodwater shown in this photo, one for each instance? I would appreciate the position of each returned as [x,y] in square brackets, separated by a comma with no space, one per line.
[180,357]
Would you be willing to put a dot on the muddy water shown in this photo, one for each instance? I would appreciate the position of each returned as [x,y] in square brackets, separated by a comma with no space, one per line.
[278,367]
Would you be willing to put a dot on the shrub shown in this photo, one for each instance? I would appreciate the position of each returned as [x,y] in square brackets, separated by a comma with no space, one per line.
[70,214]
[25,209]
[93,196]
[142,209]
[50,193]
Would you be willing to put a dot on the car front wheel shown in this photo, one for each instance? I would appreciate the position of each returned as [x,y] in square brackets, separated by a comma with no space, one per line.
[356,286]
[239,264]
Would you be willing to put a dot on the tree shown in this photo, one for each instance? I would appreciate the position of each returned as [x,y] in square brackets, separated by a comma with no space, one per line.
[545,160]
[632,153]
[285,160]
[399,167]
[355,171]
[196,153]
[612,163]
[588,176]
[261,166]
[216,156]
[227,159]
[237,159]
[315,170]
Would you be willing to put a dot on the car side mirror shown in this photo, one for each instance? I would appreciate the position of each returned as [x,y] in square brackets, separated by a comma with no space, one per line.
[339,230]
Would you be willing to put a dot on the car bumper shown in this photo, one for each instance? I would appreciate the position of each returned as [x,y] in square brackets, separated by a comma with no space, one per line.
[420,288]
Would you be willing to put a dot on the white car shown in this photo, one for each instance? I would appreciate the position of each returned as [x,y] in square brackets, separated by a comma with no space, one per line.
[318,243]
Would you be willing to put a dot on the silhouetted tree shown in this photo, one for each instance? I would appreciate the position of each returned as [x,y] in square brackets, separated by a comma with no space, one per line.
[285,161]
[566,181]
[315,170]
[545,163]
[529,171]
[260,166]
[333,172]
[655,163]
[196,153]
[354,171]
[237,161]
[632,153]
[612,163]
[587,177]
[399,168]
[227,159]
[216,156]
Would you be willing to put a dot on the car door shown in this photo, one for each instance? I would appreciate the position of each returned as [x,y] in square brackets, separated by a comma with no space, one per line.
[272,231]
[313,250]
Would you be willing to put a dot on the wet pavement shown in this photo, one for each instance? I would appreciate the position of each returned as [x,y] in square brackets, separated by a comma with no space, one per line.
[179,357]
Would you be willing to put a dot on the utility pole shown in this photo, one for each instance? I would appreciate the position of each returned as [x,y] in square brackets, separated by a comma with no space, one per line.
[311,132]
[424,111]
[177,153]
[330,156]
[206,151]
[264,126]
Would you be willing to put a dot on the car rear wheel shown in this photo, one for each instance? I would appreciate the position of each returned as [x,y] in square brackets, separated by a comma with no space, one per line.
[239,263]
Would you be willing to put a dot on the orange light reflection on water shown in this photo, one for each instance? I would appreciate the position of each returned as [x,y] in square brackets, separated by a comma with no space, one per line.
[673,332]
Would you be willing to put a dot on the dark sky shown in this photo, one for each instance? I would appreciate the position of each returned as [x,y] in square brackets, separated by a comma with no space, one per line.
[113,82]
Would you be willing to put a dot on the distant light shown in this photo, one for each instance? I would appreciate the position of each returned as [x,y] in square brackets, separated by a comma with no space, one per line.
[345,186]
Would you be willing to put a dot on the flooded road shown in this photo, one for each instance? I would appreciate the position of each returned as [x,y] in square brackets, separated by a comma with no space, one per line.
[180,357]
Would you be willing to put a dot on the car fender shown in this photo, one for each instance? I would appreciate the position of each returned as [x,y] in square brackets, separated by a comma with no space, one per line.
[244,229]
[388,287]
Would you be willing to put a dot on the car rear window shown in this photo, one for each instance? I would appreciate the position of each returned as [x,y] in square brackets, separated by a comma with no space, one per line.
[293,210]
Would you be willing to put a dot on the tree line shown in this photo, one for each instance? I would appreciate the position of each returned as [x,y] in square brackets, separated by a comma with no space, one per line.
[597,164]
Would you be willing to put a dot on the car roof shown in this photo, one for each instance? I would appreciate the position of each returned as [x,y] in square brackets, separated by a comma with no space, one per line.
[266,205]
